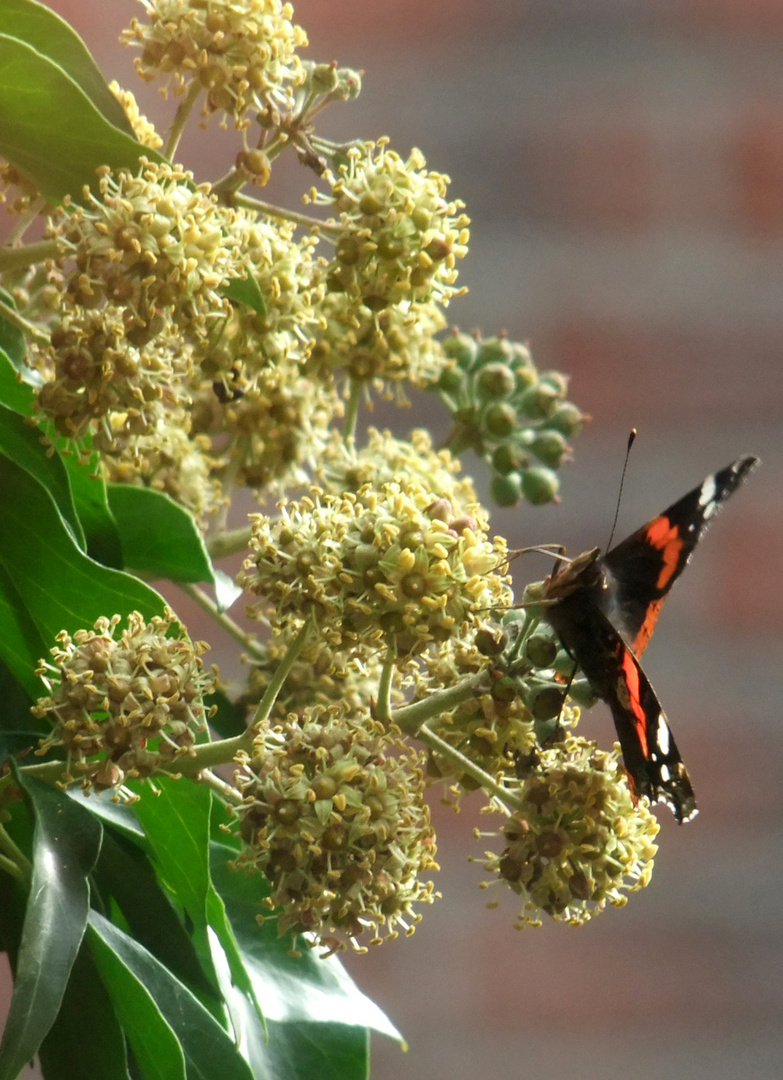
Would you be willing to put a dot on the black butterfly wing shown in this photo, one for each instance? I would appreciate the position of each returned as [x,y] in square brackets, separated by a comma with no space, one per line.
[650,755]
[641,569]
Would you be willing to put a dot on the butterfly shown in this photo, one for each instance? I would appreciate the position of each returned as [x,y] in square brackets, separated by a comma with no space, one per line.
[604,609]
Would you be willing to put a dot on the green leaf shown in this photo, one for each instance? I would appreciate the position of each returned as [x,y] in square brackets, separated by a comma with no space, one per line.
[176,824]
[208,1049]
[290,989]
[60,586]
[12,341]
[154,1042]
[246,291]
[118,815]
[21,645]
[45,31]
[158,536]
[65,1053]
[17,395]
[22,444]
[301,1051]
[49,128]
[228,721]
[125,875]
[92,506]
[66,844]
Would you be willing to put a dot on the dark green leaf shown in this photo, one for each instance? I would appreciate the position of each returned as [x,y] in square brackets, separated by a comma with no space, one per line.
[300,1051]
[246,291]
[62,588]
[92,506]
[306,987]
[12,340]
[49,128]
[46,32]
[228,720]
[66,844]
[176,824]
[21,645]
[155,1045]
[22,444]
[66,1054]
[158,536]
[209,1051]
[119,815]
[124,874]
[17,395]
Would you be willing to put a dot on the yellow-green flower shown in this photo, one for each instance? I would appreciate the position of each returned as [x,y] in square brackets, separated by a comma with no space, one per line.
[578,842]
[333,814]
[386,566]
[241,52]
[123,705]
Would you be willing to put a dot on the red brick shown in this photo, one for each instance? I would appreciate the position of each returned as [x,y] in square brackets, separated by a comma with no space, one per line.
[585,177]
[756,164]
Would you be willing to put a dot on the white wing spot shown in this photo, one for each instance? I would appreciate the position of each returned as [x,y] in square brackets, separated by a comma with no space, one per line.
[665,774]
[662,737]
[707,496]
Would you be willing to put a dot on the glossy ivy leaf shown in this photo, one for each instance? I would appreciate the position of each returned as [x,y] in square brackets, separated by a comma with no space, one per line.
[22,647]
[60,587]
[65,1053]
[125,875]
[289,989]
[208,1049]
[177,827]
[92,505]
[301,1051]
[51,130]
[22,444]
[155,1045]
[66,843]
[46,32]
[159,537]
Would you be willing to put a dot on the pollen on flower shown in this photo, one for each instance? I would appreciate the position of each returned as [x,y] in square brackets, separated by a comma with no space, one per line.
[333,814]
[143,129]
[577,842]
[122,705]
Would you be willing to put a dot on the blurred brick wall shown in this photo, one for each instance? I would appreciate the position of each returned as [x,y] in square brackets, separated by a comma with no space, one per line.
[623,167]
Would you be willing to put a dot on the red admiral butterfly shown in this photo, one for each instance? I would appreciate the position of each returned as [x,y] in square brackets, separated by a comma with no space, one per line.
[604,609]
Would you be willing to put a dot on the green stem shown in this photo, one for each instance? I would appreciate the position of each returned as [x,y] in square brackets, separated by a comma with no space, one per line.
[225,790]
[382,710]
[181,118]
[267,702]
[352,411]
[227,186]
[246,640]
[465,765]
[229,543]
[14,861]
[271,210]
[11,315]
[410,717]
[24,255]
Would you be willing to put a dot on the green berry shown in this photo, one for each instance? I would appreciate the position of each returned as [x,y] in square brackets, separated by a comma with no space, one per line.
[494,350]
[462,348]
[549,447]
[499,420]
[540,485]
[506,490]
[567,418]
[547,703]
[539,401]
[541,651]
[495,380]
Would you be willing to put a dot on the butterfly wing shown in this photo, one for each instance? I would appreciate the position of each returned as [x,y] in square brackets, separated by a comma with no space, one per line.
[650,755]
[642,568]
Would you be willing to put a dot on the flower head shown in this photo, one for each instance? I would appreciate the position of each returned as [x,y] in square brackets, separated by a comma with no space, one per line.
[386,566]
[333,815]
[242,52]
[578,842]
[122,705]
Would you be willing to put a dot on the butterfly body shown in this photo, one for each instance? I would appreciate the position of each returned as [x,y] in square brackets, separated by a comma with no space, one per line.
[604,609]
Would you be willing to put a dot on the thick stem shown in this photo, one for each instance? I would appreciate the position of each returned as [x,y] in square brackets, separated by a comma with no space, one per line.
[228,543]
[410,718]
[352,411]
[486,782]
[11,315]
[20,257]
[181,118]
[246,640]
[14,861]
[382,710]
[271,210]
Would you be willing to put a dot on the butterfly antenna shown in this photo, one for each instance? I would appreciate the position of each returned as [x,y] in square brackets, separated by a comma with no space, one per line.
[631,438]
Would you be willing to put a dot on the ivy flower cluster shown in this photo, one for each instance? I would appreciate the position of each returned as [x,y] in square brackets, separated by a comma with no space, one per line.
[207,345]
[124,705]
